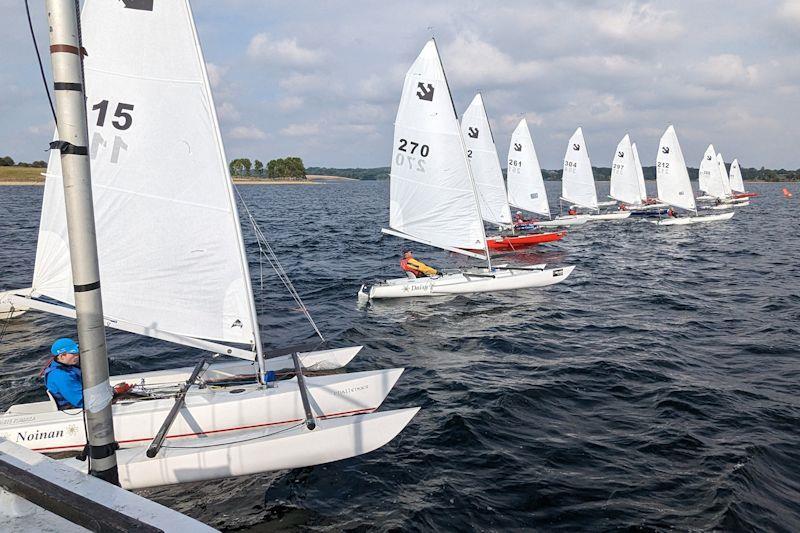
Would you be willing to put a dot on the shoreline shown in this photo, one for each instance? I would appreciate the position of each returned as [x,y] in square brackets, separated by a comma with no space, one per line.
[312,180]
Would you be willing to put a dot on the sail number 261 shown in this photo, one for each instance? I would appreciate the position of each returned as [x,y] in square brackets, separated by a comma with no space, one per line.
[412,154]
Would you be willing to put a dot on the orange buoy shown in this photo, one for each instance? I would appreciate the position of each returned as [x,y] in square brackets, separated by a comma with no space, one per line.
[786,193]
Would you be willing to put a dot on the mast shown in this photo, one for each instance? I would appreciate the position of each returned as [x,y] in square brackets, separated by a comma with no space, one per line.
[73,134]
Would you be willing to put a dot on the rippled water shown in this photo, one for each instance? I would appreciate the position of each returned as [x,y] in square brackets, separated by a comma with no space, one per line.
[656,388]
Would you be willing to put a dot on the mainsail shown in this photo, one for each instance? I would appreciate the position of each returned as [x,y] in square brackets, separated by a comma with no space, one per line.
[672,178]
[577,181]
[624,179]
[737,183]
[170,248]
[525,185]
[639,173]
[432,196]
[723,175]
[709,179]
[482,155]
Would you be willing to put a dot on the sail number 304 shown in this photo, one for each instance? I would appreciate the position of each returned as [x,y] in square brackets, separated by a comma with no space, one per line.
[411,154]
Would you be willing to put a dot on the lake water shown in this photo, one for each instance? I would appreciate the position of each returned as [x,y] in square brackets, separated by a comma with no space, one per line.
[656,388]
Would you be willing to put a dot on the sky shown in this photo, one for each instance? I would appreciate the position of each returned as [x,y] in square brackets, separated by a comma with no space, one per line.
[322,80]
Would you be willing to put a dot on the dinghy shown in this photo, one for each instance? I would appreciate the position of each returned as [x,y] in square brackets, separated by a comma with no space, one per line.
[577,182]
[492,196]
[627,182]
[433,199]
[674,187]
[737,183]
[526,188]
[173,267]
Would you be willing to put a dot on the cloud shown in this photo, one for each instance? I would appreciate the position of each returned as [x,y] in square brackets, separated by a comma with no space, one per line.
[215,74]
[286,52]
[637,23]
[247,133]
[290,103]
[727,70]
[472,61]
[301,130]
[790,9]
[227,112]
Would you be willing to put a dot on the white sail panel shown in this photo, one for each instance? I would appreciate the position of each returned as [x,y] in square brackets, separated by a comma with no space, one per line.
[432,197]
[672,178]
[577,181]
[737,183]
[723,176]
[639,172]
[624,181]
[525,184]
[168,235]
[482,156]
[709,178]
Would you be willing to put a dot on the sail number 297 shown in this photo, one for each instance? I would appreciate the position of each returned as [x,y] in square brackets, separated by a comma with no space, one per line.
[411,154]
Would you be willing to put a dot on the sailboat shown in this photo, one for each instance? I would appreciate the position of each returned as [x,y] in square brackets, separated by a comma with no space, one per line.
[674,187]
[627,181]
[731,198]
[714,182]
[577,182]
[433,199]
[492,195]
[173,266]
[526,188]
[737,183]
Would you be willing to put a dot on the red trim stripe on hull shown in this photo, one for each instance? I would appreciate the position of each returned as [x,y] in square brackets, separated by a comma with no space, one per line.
[518,242]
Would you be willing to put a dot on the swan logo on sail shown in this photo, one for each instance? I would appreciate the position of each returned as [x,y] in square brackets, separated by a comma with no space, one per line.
[141,5]
[665,149]
[425,91]
[237,324]
[621,153]
[517,147]
[473,132]
[576,146]
[708,158]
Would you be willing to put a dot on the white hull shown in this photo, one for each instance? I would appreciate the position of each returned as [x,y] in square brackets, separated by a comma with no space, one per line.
[683,221]
[561,221]
[720,207]
[619,215]
[647,207]
[254,452]
[607,203]
[464,283]
[209,410]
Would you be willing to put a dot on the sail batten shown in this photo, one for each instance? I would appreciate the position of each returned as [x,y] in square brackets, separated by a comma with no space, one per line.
[169,242]
[485,164]
[432,197]
[577,180]
[525,184]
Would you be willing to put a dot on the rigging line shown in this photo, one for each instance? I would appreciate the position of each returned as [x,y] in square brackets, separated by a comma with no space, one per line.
[6,322]
[41,66]
[272,258]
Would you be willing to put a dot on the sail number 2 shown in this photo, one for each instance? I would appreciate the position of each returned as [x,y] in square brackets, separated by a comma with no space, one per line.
[412,154]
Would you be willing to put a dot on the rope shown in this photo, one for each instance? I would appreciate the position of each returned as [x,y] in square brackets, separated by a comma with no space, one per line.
[266,251]
[6,322]
[41,66]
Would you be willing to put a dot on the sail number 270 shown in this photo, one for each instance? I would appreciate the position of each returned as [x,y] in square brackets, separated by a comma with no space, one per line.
[411,154]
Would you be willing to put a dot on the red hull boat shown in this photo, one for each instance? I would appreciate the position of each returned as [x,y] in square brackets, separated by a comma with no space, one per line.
[745,195]
[518,242]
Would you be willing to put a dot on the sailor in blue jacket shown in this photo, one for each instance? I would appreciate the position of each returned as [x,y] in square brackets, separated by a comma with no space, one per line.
[63,377]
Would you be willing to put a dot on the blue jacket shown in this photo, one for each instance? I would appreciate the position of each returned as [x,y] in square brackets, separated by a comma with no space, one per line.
[65,383]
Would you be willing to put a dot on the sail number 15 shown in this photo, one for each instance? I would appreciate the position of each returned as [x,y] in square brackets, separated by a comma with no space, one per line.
[411,154]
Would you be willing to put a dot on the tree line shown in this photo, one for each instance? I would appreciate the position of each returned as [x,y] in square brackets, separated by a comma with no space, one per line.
[287,168]
[8,162]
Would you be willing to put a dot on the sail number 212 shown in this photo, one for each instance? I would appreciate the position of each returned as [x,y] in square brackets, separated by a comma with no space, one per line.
[412,154]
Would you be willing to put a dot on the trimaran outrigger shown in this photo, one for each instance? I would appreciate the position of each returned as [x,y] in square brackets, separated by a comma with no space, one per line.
[173,267]
[433,199]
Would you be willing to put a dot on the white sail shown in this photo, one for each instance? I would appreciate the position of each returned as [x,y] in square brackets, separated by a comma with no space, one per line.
[525,184]
[709,178]
[672,178]
[624,179]
[482,155]
[639,173]
[723,175]
[577,181]
[737,183]
[169,243]
[432,197]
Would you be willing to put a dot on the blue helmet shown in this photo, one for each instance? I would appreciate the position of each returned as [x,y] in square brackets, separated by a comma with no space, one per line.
[64,345]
